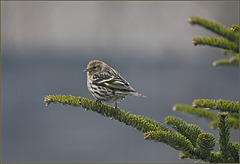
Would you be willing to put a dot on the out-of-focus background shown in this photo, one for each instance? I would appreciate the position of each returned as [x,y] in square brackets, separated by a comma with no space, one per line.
[46,45]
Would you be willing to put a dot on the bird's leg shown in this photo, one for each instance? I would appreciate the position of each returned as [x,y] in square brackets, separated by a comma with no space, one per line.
[116,108]
[98,101]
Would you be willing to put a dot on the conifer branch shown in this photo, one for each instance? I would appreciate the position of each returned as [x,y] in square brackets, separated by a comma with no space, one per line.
[217,28]
[230,42]
[224,136]
[233,61]
[190,131]
[235,28]
[215,157]
[214,124]
[229,52]
[234,152]
[221,105]
[172,139]
[205,144]
[216,42]
[195,111]
[192,141]
[233,123]
[134,121]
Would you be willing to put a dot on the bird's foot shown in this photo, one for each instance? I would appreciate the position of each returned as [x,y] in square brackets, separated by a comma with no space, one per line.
[116,108]
[99,101]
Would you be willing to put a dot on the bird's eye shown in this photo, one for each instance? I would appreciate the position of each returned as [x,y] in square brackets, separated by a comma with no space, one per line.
[94,67]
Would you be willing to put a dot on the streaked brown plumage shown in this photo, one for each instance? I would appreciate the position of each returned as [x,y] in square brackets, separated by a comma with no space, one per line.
[106,84]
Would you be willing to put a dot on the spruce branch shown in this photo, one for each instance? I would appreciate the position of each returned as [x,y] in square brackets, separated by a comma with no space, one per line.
[192,141]
[224,136]
[217,28]
[214,124]
[195,111]
[215,157]
[234,152]
[140,123]
[235,28]
[190,131]
[229,150]
[221,105]
[233,61]
[229,52]
[233,123]
[205,144]
[229,42]
[172,139]
[216,42]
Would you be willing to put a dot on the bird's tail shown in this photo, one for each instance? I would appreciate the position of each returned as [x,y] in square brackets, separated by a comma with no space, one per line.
[138,94]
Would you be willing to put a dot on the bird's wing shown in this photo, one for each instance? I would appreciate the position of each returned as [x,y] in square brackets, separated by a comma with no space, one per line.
[113,82]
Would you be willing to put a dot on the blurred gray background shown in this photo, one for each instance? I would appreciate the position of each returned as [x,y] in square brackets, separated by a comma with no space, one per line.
[46,45]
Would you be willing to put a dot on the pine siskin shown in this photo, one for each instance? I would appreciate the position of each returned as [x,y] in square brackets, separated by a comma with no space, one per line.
[106,84]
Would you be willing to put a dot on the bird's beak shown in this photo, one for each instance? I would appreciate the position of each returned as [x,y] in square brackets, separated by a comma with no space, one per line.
[87,70]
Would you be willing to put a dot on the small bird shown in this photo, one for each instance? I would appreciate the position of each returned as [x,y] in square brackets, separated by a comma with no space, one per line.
[106,84]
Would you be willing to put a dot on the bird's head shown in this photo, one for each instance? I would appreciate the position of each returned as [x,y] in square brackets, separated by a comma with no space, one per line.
[95,66]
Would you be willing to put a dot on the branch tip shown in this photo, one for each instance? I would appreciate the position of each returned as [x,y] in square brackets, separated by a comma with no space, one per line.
[192,21]
[194,106]
[235,28]
[148,137]
[174,108]
[214,64]
[194,43]
[47,101]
